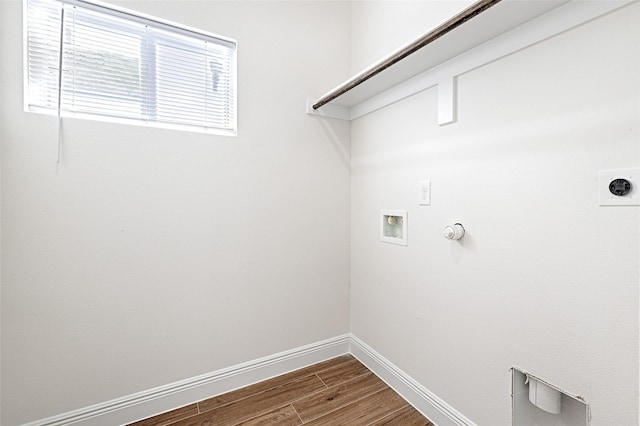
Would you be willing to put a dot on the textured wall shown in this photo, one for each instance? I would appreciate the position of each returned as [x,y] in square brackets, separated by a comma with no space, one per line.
[151,256]
[381,27]
[545,279]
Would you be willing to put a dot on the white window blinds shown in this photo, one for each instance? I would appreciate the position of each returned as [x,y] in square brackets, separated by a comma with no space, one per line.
[116,65]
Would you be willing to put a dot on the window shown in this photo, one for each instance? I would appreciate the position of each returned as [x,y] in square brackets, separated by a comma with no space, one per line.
[94,62]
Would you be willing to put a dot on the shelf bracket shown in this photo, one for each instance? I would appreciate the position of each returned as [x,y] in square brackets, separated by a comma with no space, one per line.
[447,91]
[536,22]
[329,110]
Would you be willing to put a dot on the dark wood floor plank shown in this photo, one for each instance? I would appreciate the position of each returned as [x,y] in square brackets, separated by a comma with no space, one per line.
[343,372]
[331,399]
[285,416]
[169,417]
[220,400]
[364,411]
[256,405]
[337,392]
[408,416]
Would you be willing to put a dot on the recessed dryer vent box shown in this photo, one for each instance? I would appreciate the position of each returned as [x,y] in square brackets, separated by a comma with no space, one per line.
[393,226]
[533,403]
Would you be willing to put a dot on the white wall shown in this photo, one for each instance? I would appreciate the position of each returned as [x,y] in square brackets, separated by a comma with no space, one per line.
[545,278]
[381,27]
[151,256]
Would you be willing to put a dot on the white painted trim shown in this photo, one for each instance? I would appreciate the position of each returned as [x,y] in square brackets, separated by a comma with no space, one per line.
[447,101]
[425,401]
[164,398]
[151,402]
[548,25]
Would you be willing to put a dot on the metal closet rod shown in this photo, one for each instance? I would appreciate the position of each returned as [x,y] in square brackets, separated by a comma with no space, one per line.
[464,16]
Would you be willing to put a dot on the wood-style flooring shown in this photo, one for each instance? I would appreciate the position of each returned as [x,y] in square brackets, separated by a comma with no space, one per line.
[337,392]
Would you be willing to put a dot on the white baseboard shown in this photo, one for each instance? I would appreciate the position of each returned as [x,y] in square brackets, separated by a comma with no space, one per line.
[165,398]
[425,401]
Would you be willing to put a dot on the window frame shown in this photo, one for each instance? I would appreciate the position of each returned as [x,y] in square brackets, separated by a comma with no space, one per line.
[154,22]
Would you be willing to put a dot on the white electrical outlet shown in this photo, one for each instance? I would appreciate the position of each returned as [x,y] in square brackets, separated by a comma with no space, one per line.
[619,187]
[424,193]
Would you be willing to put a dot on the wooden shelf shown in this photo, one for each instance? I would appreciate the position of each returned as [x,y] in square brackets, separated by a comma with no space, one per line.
[502,26]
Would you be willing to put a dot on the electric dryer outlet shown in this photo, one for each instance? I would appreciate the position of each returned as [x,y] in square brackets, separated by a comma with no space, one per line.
[620,187]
